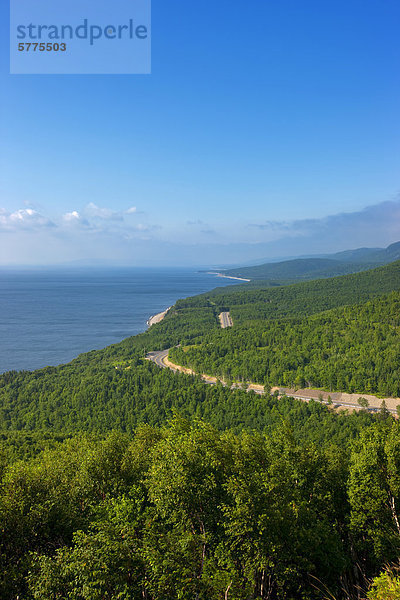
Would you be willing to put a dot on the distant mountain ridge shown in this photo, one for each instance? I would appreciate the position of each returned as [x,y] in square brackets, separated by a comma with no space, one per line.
[370,255]
[319,267]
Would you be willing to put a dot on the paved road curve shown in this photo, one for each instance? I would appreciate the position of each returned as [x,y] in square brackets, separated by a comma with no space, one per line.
[158,358]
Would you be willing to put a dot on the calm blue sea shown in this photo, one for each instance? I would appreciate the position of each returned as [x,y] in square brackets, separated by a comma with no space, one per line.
[49,317]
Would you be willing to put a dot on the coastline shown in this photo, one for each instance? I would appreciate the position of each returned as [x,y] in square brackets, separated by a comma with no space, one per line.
[227,276]
[87,330]
[157,318]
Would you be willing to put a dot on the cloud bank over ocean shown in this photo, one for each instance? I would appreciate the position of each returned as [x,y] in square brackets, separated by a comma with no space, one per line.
[132,236]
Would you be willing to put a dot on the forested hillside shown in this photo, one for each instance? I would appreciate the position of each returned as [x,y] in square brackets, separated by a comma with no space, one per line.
[300,299]
[351,349]
[370,255]
[115,387]
[299,269]
[202,491]
[304,269]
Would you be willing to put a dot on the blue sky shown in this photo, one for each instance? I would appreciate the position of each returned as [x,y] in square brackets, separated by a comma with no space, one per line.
[262,124]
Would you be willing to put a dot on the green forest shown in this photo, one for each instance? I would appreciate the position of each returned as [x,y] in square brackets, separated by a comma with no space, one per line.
[123,480]
[303,269]
[186,511]
[350,349]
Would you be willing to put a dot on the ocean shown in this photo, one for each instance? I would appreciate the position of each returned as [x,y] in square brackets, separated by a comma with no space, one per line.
[48,317]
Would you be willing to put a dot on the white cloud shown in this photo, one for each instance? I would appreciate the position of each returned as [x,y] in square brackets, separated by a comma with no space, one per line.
[75,219]
[93,230]
[98,220]
[23,218]
[94,211]
[72,216]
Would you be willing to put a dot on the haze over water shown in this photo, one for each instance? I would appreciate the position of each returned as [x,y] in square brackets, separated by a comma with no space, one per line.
[49,317]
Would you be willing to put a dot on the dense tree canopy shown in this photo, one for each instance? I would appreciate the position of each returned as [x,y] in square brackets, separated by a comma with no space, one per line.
[188,512]
[351,349]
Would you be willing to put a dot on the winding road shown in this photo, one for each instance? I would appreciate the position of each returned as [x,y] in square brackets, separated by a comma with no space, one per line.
[159,357]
